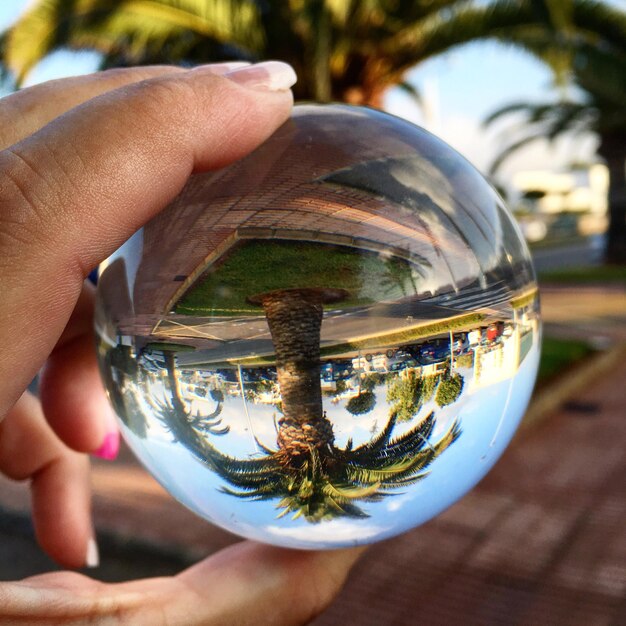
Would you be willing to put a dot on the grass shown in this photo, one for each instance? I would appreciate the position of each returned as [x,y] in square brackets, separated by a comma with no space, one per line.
[406,336]
[168,346]
[256,267]
[525,299]
[581,275]
[558,355]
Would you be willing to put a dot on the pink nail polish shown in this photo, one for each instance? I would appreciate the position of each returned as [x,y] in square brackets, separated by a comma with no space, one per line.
[110,447]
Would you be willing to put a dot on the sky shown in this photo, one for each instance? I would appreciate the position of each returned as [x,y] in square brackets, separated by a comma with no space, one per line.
[488,415]
[458,89]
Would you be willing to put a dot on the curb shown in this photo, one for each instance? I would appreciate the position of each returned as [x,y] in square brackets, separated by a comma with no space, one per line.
[555,394]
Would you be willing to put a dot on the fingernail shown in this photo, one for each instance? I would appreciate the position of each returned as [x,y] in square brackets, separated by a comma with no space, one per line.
[222,68]
[92,558]
[110,446]
[266,76]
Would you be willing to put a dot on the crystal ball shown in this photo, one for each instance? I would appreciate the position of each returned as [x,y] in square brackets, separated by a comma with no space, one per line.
[328,342]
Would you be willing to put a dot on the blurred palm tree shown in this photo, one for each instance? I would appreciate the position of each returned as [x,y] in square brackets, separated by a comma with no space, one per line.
[126,383]
[343,50]
[599,70]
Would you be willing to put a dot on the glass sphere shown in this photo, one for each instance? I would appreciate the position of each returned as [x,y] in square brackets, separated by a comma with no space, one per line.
[328,342]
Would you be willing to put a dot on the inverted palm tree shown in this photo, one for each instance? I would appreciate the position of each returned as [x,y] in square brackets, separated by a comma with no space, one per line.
[123,380]
[294,317]
[325,481]
[178,419]
[349,51]
[307,472]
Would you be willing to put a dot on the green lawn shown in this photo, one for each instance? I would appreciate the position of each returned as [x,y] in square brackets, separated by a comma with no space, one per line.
[258,266]
[168,346]
[574,275]
[525,299]
[557,355]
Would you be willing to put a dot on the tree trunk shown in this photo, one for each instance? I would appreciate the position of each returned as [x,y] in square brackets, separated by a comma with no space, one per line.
[295,319]
[178,422]
[170,364]
[613,150]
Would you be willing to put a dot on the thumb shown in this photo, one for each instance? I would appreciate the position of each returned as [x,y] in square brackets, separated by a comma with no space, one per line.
[74,191]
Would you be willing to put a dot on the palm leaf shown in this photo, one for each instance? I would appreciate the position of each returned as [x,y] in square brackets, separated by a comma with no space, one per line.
[412,91]
[348,509]
[381,474]
[128,24]
[244,467]
[512,148]
[413,440]
[528,108]
[372,447]
[350,491]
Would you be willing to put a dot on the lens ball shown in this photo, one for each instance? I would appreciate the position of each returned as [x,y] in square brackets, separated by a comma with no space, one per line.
[328,342]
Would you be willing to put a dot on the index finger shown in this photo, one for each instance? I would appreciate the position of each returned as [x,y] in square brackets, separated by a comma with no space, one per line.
[74,191]
[26,111]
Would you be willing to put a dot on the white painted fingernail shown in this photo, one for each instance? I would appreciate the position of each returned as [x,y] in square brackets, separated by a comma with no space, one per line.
[266,76]
[93,557]
[221,68]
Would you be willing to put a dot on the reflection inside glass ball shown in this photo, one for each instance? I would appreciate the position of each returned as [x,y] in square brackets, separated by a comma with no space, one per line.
[328,342]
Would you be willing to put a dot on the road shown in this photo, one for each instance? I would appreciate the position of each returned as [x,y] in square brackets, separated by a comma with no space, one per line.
[586,252]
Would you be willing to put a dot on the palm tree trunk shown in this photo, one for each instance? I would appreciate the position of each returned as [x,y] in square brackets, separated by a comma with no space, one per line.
[172,379]
[177,416]
[613,150]
[295,319]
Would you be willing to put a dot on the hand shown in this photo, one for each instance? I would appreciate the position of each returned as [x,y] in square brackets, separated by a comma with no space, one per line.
[84,163]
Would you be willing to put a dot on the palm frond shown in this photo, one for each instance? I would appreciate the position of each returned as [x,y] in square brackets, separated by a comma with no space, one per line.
[511,148]
[373,446]
[411,90]
[442,30]
[129,25]
[413,440]
[350,491]
[529,108]
[453,433]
